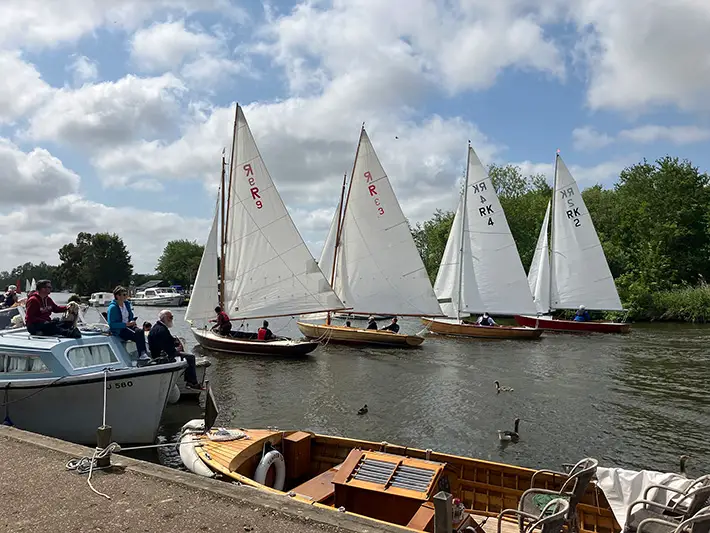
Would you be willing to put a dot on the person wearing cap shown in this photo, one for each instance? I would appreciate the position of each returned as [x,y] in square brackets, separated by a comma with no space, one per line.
[371,324]
[393,327]
[10,297]
[582,315]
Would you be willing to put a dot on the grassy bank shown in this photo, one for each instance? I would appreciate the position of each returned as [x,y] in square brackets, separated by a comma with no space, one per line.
[688,304]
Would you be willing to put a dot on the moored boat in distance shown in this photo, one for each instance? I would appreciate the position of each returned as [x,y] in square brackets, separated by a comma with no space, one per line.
[266,267]
[480,269]
[158,297]
[570,269]
[371,259]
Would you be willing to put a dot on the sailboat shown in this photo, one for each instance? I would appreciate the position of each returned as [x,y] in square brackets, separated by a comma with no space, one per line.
[376,268]
[481,270]
[573,271]
[266,268]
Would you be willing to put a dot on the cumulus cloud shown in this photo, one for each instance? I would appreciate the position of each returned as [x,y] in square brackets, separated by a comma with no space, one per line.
[588,138]
[83,69]
[21,86]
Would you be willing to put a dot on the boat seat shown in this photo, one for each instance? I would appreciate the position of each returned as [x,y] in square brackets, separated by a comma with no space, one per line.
[320,488]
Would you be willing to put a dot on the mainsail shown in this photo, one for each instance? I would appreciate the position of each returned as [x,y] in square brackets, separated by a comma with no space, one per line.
[268,268]
[482,254]
[580,272]
[539,275]
[378,267]
[205,295]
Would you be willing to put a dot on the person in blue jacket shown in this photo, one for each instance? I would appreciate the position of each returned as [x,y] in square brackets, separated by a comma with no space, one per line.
[582,315]
[122,322]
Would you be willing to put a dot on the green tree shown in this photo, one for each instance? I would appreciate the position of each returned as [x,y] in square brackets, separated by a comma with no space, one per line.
[95,262]
[29,271]
[180,261]
[430,238]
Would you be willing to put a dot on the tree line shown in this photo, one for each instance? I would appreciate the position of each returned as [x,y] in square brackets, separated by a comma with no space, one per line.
[653,224]
[101,261]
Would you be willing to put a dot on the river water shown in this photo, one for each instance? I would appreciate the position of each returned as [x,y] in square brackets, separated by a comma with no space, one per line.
[636,401]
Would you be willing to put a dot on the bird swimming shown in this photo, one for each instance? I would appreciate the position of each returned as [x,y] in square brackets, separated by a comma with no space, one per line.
[683,460]
[510,436]
[363,410]
[500,389]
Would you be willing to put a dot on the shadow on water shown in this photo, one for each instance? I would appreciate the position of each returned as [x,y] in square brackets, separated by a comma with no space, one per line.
[637,401]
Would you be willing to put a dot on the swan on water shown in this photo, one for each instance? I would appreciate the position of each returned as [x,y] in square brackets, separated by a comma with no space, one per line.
[510,436]
[683,460]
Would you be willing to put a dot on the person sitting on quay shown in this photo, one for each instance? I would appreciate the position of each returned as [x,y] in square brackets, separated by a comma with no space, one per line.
[163,344]
[393,327]
[9,299]
[224,324]
[371,324]
[485,320]
[264,333]
[122,322]
[582,315]
[39,309]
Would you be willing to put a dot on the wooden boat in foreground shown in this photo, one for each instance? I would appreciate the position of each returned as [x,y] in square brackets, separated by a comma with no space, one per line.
[570,269]
[383,482]
[463,329]
[266,267]
[571,326]
[346,335]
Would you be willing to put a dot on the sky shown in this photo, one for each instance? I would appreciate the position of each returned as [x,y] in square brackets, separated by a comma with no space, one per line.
[114,113]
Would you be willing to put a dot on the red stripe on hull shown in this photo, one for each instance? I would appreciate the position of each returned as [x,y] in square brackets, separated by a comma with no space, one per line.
[572,326]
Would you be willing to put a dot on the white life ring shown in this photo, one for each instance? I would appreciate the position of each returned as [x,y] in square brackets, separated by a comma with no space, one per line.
[277,460]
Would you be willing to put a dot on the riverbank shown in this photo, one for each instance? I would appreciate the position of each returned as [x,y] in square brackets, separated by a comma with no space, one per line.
[687,304]
[39,495]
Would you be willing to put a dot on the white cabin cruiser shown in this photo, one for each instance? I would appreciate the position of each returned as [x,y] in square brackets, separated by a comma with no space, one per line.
[158,297]
[101,299]
[55,386]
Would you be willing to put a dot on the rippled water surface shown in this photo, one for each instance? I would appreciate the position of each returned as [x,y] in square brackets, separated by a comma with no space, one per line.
[636,401]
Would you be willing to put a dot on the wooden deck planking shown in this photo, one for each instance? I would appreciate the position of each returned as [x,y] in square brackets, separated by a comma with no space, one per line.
[225,452]
[491,525]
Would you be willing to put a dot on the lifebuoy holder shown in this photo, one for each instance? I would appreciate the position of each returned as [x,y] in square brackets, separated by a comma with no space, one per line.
[275,459]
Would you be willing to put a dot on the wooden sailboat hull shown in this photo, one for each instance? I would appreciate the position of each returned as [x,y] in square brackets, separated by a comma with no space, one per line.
[345,335]
[481,332]
[317,472]
[281,347]
[571,326]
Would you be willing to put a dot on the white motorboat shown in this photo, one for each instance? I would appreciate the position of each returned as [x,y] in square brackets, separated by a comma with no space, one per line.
[55,386]
[158,297]
[101,299]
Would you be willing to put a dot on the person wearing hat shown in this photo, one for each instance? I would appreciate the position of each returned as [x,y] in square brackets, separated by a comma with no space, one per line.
[582,315]
[371,324]
[10,297]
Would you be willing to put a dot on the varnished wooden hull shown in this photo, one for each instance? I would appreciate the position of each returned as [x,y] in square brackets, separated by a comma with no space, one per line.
[571,326]
[484,487]
[481,332]
[346,335]
[282,348]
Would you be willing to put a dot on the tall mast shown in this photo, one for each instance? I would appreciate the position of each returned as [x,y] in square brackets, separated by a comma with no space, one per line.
[343,211]
[552,229]
[222,239]
[228,201]
[463,233]
[337,238]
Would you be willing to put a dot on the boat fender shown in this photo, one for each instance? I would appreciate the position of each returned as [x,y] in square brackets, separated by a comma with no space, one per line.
[277,460]
[196,424]
[190,458]
[174,396]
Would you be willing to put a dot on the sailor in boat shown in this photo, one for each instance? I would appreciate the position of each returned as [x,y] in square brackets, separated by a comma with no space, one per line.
[393,327]
[582,315]
[347,324]
[163,345]
[9,298]
[39,309]
[224,324]
[371,324]
[264,333]
[485,320]
[122,322]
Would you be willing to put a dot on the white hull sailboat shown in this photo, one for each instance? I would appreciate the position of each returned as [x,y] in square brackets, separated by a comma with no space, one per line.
[266,268]
[371,258]
[481,270]
[573,271]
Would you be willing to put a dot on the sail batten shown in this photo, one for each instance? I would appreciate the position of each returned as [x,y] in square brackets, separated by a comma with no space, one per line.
[376,245]
[580,272]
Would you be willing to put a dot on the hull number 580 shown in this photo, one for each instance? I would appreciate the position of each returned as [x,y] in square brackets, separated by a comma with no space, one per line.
[119,385]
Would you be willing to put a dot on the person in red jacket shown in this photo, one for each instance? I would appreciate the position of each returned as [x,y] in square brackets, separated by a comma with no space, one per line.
[39,309]
[264,333]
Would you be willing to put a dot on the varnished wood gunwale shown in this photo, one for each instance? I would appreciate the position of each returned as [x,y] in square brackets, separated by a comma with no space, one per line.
[482,332]
[358,336]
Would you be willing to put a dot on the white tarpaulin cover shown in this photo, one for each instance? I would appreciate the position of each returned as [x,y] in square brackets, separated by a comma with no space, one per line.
[623,487]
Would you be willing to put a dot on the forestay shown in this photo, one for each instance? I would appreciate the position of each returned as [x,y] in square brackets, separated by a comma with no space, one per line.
[539,275]
[580,273]
[268,268]
[455,264]
[378,268]
[205,295]
[502,283]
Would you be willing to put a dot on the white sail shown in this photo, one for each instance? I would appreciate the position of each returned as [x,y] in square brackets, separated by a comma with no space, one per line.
[205,292]
[268,268]
[326,256]
[33,285]
[580,273]
[539,275]
[500,275]
[378,268]
[455,265]
[27,285]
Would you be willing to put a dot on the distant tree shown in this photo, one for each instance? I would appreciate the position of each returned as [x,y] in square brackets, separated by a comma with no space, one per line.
[140,279]
[180,261]
[95,262]
[430,238]
[28,271]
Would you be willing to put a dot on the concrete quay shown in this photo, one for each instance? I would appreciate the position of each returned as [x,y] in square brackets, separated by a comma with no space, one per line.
[38,494]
